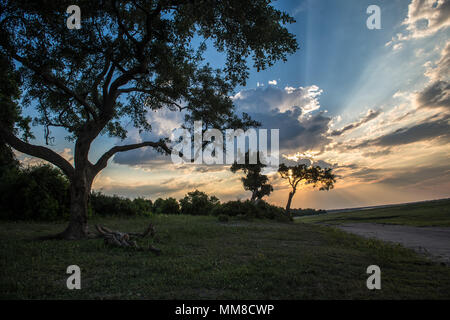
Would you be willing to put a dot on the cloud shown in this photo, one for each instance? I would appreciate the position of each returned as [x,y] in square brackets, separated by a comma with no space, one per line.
[435,95]
[271,98]
[426,17]
[371,114]
[441,70]
[163,122]
[290,111]
[296,133]
[273,82]
[421,175]
[427,130]
[29,161]
[162,189]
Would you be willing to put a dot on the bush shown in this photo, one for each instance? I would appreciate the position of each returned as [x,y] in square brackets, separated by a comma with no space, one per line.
[234,208]
[34,193]
[167,206]
[103,205]
[248,210]
[198,203]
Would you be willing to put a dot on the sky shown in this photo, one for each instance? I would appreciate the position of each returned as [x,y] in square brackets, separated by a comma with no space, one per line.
[373,104]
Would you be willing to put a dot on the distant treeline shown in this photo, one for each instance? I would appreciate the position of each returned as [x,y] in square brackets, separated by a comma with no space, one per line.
[42,193]
[306,212]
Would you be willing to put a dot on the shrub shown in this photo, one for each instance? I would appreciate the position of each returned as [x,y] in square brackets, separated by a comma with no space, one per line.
[234,208]
[104,205]
[248,209]
[167,206]
[34,193]
[198,203]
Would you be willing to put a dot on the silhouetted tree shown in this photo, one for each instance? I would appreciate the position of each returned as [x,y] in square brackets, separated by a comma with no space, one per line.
[198,203]
[253,181]
[130,57]
[309,175]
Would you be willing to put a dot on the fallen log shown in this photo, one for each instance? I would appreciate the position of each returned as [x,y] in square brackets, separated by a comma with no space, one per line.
[124,239]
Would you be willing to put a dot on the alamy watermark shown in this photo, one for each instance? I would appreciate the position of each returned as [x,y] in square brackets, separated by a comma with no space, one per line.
[74,280]
[374,20]
[208,147]
[374,280]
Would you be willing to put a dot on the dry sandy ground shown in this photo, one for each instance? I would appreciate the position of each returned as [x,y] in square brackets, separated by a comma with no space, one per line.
[432,241]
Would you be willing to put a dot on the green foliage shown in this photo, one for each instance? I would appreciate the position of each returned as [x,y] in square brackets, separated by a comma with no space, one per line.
[314,175]
[166,206]
[249,209]
[198,203]
[10,113]
[143,52]
[253,181]
[35,193]
[41,193]
[103,205]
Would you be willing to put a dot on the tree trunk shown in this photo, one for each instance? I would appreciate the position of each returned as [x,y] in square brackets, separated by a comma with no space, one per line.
[254,194]
[80,188]
[288,205]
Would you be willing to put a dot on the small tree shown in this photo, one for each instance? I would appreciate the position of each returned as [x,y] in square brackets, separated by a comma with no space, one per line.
[198,203]
[166,206]
[128,58]
[253,181]
[309,175]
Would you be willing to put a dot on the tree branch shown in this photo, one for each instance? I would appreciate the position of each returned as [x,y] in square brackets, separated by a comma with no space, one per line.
[37,151]
[52,80]
[103,161]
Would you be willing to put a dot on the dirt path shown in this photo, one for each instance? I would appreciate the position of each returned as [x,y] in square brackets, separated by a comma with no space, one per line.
[432,241]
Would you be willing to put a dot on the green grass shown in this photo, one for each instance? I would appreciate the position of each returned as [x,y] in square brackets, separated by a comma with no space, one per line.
[206,259]
[433,213]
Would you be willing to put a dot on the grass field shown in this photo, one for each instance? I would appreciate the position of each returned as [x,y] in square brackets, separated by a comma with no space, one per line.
[432,213]
[205,259]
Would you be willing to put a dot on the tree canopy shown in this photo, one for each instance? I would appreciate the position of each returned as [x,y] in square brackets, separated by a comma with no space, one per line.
[254,180]
[309,175]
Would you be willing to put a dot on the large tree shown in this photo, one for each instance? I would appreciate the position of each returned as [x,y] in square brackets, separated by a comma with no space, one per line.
[309,175]
[130,57]
[254,180]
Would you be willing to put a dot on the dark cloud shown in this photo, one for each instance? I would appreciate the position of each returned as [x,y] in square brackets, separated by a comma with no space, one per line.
[141,156]
[439,128]
[427,17]
[271,98]
[366,174]
[435,95]
[372,114]
[398,177]
[163,189]
[291,110]
[296,132]
[418,176]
